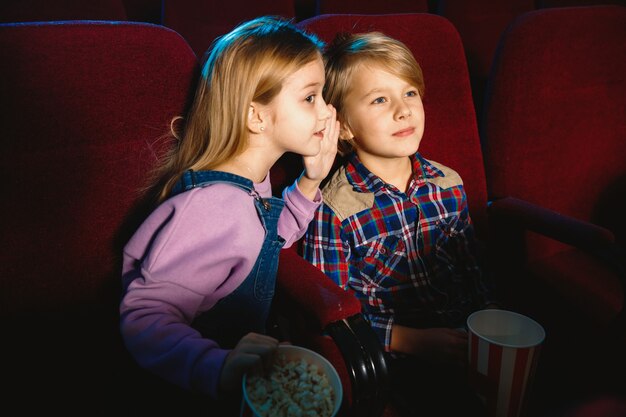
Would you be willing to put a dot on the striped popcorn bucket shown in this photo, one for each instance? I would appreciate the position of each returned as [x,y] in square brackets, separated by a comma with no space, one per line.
[503,353]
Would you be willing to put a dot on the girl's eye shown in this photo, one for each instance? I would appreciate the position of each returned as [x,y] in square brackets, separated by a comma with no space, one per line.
[311,98]
[379,100]
[411,93]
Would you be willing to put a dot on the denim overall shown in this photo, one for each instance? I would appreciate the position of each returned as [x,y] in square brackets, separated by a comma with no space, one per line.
[246,309]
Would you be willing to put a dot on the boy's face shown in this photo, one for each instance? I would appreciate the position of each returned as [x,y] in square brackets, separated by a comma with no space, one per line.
[383,113]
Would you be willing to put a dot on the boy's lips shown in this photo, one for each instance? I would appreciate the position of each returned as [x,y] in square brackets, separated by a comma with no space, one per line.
[319,133]
[405,132]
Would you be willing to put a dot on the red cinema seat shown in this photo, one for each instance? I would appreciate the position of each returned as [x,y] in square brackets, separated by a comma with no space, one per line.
[480,24]
[451,137]
[372,6]
[555,153]
[85,106]
[201,21]
[46,11]
[575,3]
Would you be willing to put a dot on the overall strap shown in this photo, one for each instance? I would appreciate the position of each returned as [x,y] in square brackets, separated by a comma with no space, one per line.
[248,306]
[192,179]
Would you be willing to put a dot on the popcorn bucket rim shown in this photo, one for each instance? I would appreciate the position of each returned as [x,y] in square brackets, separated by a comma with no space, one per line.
[330,367]
[539,327]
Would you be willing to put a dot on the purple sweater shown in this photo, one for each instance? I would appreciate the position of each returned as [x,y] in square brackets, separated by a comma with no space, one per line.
[193,250]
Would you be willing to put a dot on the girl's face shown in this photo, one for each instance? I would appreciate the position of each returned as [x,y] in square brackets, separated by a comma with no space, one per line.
[384,114]
[299,113]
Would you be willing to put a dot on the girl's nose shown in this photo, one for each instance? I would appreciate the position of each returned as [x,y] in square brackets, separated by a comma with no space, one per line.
[326,110]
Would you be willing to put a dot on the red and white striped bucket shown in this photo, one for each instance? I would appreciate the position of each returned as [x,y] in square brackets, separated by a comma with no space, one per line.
[503,353]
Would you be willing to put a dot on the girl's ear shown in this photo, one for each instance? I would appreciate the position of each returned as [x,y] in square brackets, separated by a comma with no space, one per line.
[256,118]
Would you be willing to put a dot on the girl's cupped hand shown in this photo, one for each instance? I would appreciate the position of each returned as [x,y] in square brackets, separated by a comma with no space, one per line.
[317,167]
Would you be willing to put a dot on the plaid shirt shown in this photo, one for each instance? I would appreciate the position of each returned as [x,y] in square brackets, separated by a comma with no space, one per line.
[409,257]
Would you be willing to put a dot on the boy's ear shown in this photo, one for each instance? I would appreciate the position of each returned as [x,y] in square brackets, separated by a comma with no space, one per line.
[255,119]
[344,132]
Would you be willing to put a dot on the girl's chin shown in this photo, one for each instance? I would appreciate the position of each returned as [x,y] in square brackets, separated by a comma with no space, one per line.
[309,151]
[313,149]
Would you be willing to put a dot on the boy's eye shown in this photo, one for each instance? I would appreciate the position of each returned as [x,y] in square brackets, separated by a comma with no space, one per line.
[311,98]
[411,93]
[379,100]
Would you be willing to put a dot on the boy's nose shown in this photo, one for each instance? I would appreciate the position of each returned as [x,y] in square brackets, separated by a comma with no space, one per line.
[403,112]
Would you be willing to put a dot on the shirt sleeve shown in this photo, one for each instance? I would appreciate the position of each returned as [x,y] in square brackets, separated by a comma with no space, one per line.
[297,214]
[468,262]
[323,246]
[382,325]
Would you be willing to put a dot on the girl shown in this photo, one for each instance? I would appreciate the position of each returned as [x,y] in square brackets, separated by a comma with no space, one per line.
[199,273]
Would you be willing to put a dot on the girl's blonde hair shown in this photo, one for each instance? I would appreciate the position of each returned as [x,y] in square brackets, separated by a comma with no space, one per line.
[247,65]
[348,52]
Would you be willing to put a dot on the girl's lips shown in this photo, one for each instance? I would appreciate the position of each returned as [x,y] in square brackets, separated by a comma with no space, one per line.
[319,134]
[405,132]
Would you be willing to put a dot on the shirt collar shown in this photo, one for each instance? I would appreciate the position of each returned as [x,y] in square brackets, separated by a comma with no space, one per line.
[363,180]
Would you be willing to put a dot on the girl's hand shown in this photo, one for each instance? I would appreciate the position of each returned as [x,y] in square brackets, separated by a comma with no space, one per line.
[254,351]
[317,167]
[439,344]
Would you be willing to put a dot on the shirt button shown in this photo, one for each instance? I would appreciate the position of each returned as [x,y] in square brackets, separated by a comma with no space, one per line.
[383,251]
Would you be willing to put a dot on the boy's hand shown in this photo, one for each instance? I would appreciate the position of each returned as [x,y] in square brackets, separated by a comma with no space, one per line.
[317,167]
[253,351]
[440,344]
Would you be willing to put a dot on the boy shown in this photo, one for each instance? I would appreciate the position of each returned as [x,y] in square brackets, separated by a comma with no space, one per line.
[395,228]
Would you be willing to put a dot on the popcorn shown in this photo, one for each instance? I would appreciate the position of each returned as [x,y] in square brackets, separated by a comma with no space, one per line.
[292,389]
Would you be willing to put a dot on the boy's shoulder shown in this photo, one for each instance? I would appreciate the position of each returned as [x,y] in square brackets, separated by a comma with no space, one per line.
[341,197]
[450,177]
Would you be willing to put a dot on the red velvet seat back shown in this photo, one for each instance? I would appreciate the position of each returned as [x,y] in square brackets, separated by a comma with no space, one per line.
[575,3]
[46,10]
[480,24]
[201,21]
[84,108]
[555,131]
[450,135]
[372,6]
[555,135]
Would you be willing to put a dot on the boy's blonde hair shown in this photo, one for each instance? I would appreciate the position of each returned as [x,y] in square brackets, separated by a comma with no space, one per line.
[348,52]
[247,65]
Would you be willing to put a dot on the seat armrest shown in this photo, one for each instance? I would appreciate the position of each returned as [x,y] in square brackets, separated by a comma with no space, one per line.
[512,211]
[319,299]
[304,290]
[376,363]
